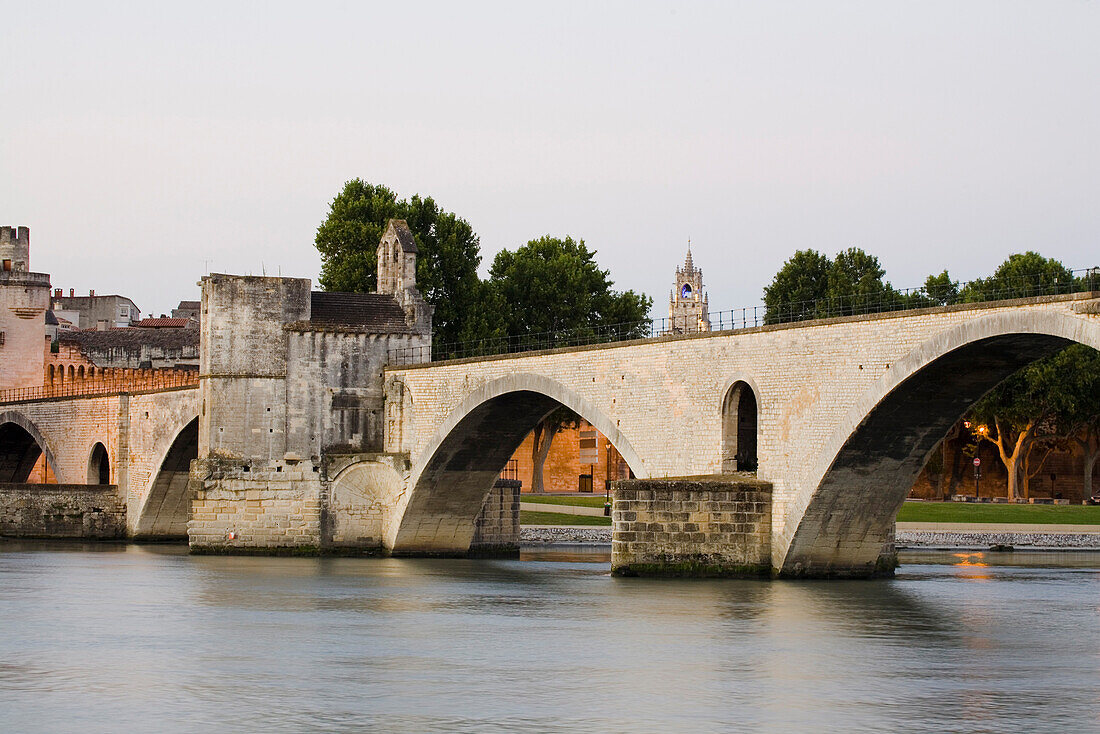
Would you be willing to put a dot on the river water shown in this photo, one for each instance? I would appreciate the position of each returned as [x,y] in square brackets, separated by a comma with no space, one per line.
[132,638]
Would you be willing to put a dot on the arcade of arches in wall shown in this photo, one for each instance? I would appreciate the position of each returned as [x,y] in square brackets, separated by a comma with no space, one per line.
[67,371]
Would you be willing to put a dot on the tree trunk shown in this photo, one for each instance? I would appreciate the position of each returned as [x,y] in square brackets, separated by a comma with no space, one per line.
[1013,460]
[540,449]
[1090,446]
[1090,466]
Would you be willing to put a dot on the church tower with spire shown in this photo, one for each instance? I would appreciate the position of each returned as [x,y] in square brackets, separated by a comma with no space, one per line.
[688,309]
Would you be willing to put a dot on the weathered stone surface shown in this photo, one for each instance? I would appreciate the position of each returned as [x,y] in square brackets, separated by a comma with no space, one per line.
[70,511]
[137,432]
[496,527]
[848,409]
[659,526]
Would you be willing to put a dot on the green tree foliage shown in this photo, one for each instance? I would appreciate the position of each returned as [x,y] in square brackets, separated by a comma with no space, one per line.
[797,290]
[446,264]
[810,286]
[1021,276]
[940,290]
[856,285]
[553,288]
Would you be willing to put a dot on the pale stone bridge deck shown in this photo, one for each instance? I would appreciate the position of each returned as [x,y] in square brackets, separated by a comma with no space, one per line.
[848,409]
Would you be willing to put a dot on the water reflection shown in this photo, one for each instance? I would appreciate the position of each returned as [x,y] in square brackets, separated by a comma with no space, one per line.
[548,642]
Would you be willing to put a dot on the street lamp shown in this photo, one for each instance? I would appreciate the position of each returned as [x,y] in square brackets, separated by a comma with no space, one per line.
[982,430]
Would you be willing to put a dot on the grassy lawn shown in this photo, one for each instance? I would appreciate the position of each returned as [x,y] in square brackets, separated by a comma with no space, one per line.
[966,512]
[911,512]
[557,518]
[576,501]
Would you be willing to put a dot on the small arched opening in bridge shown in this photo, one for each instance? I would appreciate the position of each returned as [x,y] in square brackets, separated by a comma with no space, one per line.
[739,421]
[840,521]
[465,458]
[23,456]
[99,465]
[167,507]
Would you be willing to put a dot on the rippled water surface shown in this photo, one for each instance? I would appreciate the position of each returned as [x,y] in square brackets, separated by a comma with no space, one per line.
[130,638]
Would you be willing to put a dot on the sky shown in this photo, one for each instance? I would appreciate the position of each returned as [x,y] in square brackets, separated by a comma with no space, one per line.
[146,144]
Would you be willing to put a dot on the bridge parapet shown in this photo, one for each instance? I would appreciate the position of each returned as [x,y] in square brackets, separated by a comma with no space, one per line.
[138,384]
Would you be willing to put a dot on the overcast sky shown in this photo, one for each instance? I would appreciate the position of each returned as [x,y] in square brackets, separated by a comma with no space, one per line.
[148,143]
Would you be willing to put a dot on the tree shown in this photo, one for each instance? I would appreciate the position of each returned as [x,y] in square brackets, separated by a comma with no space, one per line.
[941,290]
[810,286]
[446,265]
[855,284]
[543,438]
[551,292]
[1074,376]
[1021,276]
[1046,404]
[798,289]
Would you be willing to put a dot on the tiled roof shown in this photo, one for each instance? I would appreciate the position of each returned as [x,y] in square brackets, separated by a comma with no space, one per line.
[188,306]
[368,311]
[132,338]
[404,235]
[161,323]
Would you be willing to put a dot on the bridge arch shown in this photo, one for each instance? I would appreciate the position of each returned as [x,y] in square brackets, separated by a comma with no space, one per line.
[99,465]
[21,444]
[740,418]
[843,513]
[166,510]
[448,486]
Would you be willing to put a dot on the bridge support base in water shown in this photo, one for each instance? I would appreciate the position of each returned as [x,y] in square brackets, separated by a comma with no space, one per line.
[704,526]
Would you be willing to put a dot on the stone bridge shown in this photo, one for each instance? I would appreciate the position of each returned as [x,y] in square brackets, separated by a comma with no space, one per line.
[301,437]
[138,445]
[838,415]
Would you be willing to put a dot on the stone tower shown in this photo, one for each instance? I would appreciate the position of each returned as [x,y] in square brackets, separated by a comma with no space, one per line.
[24,299]
[397,272]
[688,308]
[15,248]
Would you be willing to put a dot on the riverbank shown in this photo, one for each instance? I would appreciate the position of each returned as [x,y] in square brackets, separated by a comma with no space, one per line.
[965,537]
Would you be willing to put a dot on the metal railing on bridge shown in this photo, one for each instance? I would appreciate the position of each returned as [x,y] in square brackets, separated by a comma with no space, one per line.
[100,387]
[887,300]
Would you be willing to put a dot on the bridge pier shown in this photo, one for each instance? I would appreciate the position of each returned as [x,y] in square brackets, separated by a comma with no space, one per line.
[717,525]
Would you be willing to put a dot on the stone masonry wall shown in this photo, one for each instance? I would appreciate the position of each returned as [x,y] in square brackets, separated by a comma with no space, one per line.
[136,431]
[79,511]
[497,525]
[710,526]
[645,396]
[254,506]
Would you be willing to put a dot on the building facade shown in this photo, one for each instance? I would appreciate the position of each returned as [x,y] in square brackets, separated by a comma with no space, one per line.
[92,311]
